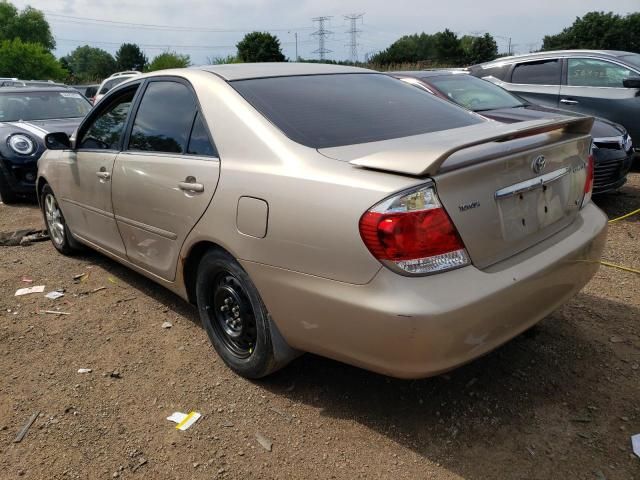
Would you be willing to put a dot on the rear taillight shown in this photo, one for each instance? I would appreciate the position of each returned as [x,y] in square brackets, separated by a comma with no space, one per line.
[411,233]
[588,182]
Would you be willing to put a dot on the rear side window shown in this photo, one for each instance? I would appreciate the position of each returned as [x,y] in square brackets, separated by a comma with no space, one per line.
[323,111]
[499,72]
[543,72]
[199,143]
[164,119]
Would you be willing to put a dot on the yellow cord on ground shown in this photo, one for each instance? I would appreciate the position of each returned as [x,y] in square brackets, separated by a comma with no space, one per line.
[625,216]
[619,267]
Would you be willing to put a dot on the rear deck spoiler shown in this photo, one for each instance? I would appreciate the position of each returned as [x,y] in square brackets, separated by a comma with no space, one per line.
[424,154]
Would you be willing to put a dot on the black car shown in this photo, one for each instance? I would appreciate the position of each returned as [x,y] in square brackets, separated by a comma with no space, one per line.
[613,149]
[27,114]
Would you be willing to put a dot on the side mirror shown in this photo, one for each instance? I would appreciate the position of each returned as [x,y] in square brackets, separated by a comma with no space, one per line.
[57,141]
[631,82]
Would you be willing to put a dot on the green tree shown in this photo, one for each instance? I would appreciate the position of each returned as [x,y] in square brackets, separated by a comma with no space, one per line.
[598,30]
[260,47]
[448,48]
[29,60]
[90,64]
[481,49]
[169,60]
[130,57]
[29,25]
[407,49]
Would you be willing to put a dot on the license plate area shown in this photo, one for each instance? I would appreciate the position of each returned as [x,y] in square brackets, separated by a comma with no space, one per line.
[528,207]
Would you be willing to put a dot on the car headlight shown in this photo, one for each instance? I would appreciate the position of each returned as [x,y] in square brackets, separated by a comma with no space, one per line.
[628,143]
[21,144]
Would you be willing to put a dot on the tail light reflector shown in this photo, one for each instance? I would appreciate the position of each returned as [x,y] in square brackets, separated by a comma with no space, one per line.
[588,183]
[411,233]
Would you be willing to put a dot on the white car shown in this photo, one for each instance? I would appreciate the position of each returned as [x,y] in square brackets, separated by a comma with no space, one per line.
[115,79]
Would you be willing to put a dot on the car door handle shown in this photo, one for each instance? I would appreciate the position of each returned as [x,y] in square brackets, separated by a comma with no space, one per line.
[568,101]
[103,175]
[191,186]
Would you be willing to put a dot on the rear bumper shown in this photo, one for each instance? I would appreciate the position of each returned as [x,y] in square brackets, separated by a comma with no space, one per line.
[416,327]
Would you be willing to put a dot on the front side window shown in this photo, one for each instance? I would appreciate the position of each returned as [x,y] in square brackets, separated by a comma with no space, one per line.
[164,119]
[543,72]
[324,111]
[106,129]
[588,72]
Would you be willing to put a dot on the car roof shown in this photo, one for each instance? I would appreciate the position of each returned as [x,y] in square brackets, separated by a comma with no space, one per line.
[243,71]
[552,53]
[429,73]
[34,89]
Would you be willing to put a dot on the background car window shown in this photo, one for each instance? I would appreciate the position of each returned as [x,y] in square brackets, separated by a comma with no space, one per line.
[199,143]
[42,106]
[164,119]
[322,111]
[108,85]
[473,93]
[587,72]
[543,72]
[107,127]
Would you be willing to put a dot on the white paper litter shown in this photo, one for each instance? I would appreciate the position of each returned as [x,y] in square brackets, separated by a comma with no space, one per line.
[635,444]
[184,420]
[54,295]
[28,290]
[84,370]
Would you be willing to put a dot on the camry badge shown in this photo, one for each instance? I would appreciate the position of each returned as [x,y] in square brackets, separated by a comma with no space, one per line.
[538,164]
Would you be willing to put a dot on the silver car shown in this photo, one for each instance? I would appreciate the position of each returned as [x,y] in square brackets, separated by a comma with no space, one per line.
[604,83]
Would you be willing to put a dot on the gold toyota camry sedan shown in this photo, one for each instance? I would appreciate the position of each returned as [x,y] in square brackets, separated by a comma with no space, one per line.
[327,209]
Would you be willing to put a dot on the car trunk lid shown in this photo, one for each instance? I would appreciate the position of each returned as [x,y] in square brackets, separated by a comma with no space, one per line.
[505,187]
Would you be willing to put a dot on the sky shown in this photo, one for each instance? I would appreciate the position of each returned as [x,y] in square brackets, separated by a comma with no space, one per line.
[206,29]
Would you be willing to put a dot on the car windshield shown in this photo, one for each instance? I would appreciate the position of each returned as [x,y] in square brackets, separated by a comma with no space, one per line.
[474,93]
[323,111]
[631,59]
[15,106]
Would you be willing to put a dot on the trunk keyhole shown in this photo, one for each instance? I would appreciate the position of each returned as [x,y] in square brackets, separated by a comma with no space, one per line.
[524,223]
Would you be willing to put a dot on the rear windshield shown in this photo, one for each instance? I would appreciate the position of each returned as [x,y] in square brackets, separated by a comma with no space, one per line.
[474,93]
[324,111]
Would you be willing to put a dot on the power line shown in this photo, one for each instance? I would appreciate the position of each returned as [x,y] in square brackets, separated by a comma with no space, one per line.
[151,26]
[353,32]
[322,35]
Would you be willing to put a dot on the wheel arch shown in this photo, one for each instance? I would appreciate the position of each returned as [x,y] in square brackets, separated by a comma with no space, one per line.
[191,262]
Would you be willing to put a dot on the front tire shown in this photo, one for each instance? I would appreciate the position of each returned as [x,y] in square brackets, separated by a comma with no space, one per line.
[236,320]
[56,225]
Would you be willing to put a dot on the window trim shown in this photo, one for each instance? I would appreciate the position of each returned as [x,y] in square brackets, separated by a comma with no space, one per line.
[135,108]
[104,104]
[599,59]
[548,59]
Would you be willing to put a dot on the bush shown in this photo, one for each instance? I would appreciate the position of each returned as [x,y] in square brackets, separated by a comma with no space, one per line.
[29,61]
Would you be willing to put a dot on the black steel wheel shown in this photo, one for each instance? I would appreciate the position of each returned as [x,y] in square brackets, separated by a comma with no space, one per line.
[235,318]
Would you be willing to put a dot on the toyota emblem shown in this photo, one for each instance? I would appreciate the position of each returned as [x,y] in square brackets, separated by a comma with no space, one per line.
[538,164]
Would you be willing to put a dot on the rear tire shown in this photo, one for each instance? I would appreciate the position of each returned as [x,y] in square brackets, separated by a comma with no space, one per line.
[236,320]
[59,233]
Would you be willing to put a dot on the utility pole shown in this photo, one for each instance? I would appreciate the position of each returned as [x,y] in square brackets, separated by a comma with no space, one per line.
[353,35]
[295,34]
[322,34]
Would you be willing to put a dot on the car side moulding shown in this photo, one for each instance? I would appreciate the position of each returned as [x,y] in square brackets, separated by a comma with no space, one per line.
[252,217]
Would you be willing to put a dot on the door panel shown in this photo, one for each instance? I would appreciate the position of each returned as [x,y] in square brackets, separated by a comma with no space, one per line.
[537,94]
[155,206]
[86,198]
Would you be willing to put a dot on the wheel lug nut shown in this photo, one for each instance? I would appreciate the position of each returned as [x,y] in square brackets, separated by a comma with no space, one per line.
[224,308]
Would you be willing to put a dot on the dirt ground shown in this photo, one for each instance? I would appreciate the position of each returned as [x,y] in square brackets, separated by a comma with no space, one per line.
[560,401]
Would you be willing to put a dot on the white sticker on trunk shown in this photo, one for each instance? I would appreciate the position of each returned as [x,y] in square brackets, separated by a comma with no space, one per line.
[70,95]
